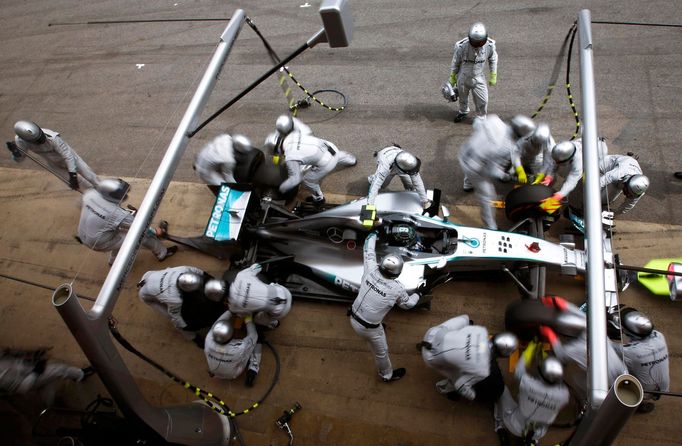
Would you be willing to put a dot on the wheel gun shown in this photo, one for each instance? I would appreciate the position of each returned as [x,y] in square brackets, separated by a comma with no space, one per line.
[283,421]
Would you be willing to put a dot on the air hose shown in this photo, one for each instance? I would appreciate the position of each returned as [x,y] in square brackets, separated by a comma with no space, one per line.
[555,76]
[310,96]
[212,400]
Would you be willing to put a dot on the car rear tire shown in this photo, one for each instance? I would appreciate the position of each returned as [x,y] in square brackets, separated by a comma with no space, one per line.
[523,202]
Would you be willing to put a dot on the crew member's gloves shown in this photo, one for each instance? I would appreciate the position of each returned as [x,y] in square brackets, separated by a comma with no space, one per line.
[538,178]
[552,204]
[548,334]
[256,268]
[547,180]
[368,215]
[73,180]
[529,352]
[521,175]
[493,79]
[555,302]
[453,79]
[17,155]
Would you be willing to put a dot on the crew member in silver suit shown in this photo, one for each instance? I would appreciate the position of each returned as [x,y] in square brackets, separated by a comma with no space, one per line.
[467,357]
[467,70]
[54,150]
[379,291]
[227,356]
[103,223]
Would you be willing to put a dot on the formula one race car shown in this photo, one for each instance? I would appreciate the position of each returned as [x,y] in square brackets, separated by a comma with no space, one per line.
[319,249]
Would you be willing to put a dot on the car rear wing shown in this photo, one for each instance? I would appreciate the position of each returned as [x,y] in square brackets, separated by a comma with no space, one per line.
[227,214]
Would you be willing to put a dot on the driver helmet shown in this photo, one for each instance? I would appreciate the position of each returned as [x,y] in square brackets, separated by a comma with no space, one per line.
[29,131]
[504,344]
[112,190]
[241,144]
[564,152]
[478,35]
[391,266]
[403,234]
[540,135]
[407,163]
[284,124]
[522,126]
[222,332]
[636,186]
[551,370]
[215,290]
[189,282]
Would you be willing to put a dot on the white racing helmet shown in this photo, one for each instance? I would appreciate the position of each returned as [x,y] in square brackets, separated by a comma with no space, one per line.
[28,131]
[407,163]
[522,126]
[189,282]
[215,290]
[391,266]
[504,344]
[551,370]
[284,124]
[222,332]
[478,35]
[564,151]
[636,186]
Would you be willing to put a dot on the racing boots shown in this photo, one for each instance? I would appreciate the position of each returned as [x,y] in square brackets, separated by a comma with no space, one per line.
[397,374]
[461,117]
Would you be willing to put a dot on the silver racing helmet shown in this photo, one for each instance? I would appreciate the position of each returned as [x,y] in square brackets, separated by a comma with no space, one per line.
[504,344]
[551,370]
[522,126]
[391,266]
[540,135]
[241,144]
[636,186]
[29,131]
[635,323]
[222,332]
[564,151]
[215,290]
[189,282]
[407,163]
[284,124]
[478,35]
[113,190]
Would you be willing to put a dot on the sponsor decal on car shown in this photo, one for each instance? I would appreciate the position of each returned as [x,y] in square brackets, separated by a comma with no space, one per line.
[533,247]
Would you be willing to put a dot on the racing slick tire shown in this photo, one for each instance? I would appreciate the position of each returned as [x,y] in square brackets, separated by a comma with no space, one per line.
[524,317]
[247,165]
[523,202]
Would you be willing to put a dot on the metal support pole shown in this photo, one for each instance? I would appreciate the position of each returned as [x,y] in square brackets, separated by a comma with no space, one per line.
[126,256]
[596,308]
[602,426]
[187,424]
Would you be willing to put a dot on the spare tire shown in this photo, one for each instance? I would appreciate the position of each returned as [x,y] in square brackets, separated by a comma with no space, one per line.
[523,202]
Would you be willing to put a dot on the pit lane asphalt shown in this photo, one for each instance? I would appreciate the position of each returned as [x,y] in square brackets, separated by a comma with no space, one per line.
[89,83]
[117,91]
